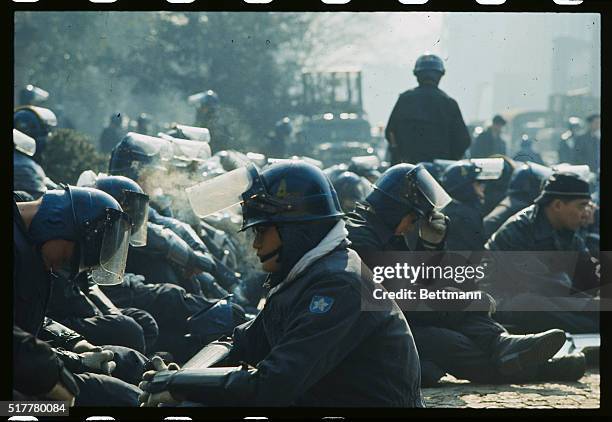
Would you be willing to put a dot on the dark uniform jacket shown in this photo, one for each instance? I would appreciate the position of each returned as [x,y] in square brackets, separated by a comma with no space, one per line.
[368,234]
[465,231]
[509,206]
[487,144]
[529,230]
[31,290]
[426,124]
[314,346]
[587,151]
[28,176]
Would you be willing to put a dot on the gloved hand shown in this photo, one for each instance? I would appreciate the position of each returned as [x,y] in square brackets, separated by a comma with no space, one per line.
[147,399]
[100,361]
[433,230]
[84,346]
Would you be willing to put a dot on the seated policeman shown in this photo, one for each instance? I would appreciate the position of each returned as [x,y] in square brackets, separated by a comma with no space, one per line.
[552,224]
[64,233]
[470,344]
[311,345]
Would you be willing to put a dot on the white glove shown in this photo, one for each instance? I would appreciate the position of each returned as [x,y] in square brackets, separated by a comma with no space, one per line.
[100,361]
[154,400]
[434,228]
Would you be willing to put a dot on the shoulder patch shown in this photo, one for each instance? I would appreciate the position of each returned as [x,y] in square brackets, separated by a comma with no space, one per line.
[320,304]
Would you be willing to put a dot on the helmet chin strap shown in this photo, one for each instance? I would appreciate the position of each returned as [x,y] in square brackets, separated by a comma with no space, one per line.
[267,256]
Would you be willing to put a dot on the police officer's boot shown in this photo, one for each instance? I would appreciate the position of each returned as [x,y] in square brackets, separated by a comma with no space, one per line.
[569,367]
[521,355]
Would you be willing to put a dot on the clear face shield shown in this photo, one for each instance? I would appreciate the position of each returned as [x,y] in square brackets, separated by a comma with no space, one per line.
[186,152]
[224,191]
[200,134]
[24,143]
[105,247]
[136,205]
[422,185]
[488,168]
[583,171]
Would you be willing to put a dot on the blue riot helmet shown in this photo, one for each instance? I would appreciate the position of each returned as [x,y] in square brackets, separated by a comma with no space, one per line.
[283,127]
[36,122]
[406,188]
[429,62]
[286,192]
[131,197]
[334,171]
[366,166]
[136,153]
[31,94]
[351,189]
[96,223]
[527,180]
[429,68]
[192,133]
[208,99]
[458,178]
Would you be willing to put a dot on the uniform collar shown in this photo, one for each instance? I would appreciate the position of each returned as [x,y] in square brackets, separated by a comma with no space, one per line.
[384,233]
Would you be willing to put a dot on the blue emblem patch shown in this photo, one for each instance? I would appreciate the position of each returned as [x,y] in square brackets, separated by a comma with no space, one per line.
[321,304]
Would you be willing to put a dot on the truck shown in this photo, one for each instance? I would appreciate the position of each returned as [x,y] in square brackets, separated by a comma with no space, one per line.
[331,124]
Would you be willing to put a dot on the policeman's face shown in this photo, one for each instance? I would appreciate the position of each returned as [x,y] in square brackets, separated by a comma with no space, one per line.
[266,241]
[57,254]
[571,214]
[406,225]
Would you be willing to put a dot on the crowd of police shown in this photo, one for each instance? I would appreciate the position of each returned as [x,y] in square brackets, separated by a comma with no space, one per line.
[137,287]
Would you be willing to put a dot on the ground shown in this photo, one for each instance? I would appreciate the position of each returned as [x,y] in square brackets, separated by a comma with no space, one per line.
[582,394]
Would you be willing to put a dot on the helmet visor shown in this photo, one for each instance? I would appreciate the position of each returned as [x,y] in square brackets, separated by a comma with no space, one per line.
[188,151]
[200,134]
[540,171]
[583,171]
[24,143]
[429,187]
[136,205]
[113,252]
[221,192]
[490,168]
[150,146]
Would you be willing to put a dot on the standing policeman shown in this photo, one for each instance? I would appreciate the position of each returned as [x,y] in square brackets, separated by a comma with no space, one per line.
[426,123]
[312,345]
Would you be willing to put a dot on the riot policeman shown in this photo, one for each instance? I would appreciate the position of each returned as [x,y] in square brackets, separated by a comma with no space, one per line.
[36,122]
[111,134]
[351,189]
[552,224]
[28,176]
[277,143]
[425,122]
[311,330]
[32,95]
[524,187]
[170,305]
[467,345]
[65,233]
[465,182]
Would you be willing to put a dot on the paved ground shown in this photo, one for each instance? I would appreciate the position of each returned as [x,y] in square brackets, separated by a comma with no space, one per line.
[583,394]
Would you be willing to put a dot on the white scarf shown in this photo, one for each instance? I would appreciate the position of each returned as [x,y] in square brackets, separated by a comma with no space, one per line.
[330,242]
